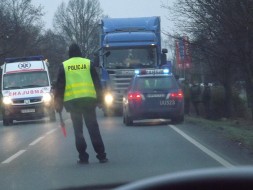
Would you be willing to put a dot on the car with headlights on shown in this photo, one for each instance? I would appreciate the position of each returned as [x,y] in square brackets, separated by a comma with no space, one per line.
[153,94]
[26,89]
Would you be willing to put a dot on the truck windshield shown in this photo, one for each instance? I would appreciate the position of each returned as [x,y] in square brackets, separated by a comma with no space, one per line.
[131,58]
[25,80]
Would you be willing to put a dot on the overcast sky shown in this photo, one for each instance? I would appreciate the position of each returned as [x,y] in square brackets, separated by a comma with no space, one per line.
[120,8]
[115,9]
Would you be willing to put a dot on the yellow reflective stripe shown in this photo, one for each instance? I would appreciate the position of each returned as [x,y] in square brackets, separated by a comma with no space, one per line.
[77,85]
[81,92]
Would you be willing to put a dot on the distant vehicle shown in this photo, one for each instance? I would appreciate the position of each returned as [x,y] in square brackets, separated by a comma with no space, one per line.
[153,94]
[127,44]
[26,90]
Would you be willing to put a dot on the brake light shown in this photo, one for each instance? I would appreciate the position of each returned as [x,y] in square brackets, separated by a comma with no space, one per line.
[178,95]
[134,96]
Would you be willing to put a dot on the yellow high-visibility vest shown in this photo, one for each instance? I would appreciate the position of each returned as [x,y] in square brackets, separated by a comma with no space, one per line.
[79,82]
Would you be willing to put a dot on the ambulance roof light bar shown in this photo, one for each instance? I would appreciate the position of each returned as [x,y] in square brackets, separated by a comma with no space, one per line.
[20,59]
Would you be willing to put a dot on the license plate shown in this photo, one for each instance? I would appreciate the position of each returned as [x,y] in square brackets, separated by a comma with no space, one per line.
[167,102]
[28,111]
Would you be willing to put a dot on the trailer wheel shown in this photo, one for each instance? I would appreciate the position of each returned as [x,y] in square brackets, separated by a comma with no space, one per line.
[119,112]
[129,121]
[7,122]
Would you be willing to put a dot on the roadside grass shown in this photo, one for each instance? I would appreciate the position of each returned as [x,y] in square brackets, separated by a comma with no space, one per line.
[239,131]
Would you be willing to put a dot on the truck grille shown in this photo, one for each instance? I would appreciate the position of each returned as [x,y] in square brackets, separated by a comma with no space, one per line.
[119,82]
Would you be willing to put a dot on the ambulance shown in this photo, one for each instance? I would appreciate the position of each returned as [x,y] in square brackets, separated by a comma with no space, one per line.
[26,90]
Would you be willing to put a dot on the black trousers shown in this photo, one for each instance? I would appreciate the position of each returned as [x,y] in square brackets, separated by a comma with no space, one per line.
[196,106]
[187,104]
[88,114]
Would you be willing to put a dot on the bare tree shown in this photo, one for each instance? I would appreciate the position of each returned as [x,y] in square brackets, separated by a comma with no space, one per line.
[20,23]
[78,22]
[5,28]
[223,35]
[53,47]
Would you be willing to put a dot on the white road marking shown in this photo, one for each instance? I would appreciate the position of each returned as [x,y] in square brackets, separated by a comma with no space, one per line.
[13,157]
[51,131]
[36,141]
[203,148]
[31,144]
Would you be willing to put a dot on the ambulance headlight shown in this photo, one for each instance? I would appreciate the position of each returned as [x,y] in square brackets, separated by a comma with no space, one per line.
[7,100]
[108,99]
[47,98]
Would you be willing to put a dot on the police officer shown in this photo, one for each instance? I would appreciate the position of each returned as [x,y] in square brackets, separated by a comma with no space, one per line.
[195,95]
[78,89]
[187,99]
[206,99]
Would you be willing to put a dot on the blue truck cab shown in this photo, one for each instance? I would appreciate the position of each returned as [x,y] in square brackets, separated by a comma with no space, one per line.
[127,44]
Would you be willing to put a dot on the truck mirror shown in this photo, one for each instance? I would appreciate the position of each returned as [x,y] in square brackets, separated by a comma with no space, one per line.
[163,59]
[107,54]
[95,61]
[164,51]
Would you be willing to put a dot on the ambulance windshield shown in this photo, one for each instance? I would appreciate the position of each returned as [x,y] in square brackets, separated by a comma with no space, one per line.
[25,80]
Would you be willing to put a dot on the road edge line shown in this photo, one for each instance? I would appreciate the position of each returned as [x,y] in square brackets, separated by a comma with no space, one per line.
[8,160]
[51,131]
[37,140]
[210,153]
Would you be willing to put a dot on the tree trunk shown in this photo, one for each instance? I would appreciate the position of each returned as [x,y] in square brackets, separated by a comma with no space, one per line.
[228,100]
[249,91]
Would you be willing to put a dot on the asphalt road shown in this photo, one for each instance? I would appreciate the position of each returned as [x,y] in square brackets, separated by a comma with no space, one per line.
[36,155]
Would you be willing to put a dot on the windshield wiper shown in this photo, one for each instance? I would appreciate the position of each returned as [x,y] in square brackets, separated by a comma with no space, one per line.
[31,86]
[12,87]
[158,89]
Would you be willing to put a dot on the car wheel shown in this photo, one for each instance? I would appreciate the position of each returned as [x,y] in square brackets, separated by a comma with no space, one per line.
[178,119]
[124,115]
[128,121]
[119,112]
[124,119]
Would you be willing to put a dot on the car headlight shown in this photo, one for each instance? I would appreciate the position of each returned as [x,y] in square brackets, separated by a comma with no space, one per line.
[108,99]
[7,100]
[47,98]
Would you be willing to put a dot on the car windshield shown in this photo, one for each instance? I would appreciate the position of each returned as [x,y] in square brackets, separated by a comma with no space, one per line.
[86,117]
[163,83]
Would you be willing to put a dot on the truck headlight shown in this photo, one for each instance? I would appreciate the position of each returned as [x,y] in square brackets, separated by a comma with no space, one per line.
[7,100]
[47,98]
[108,99]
